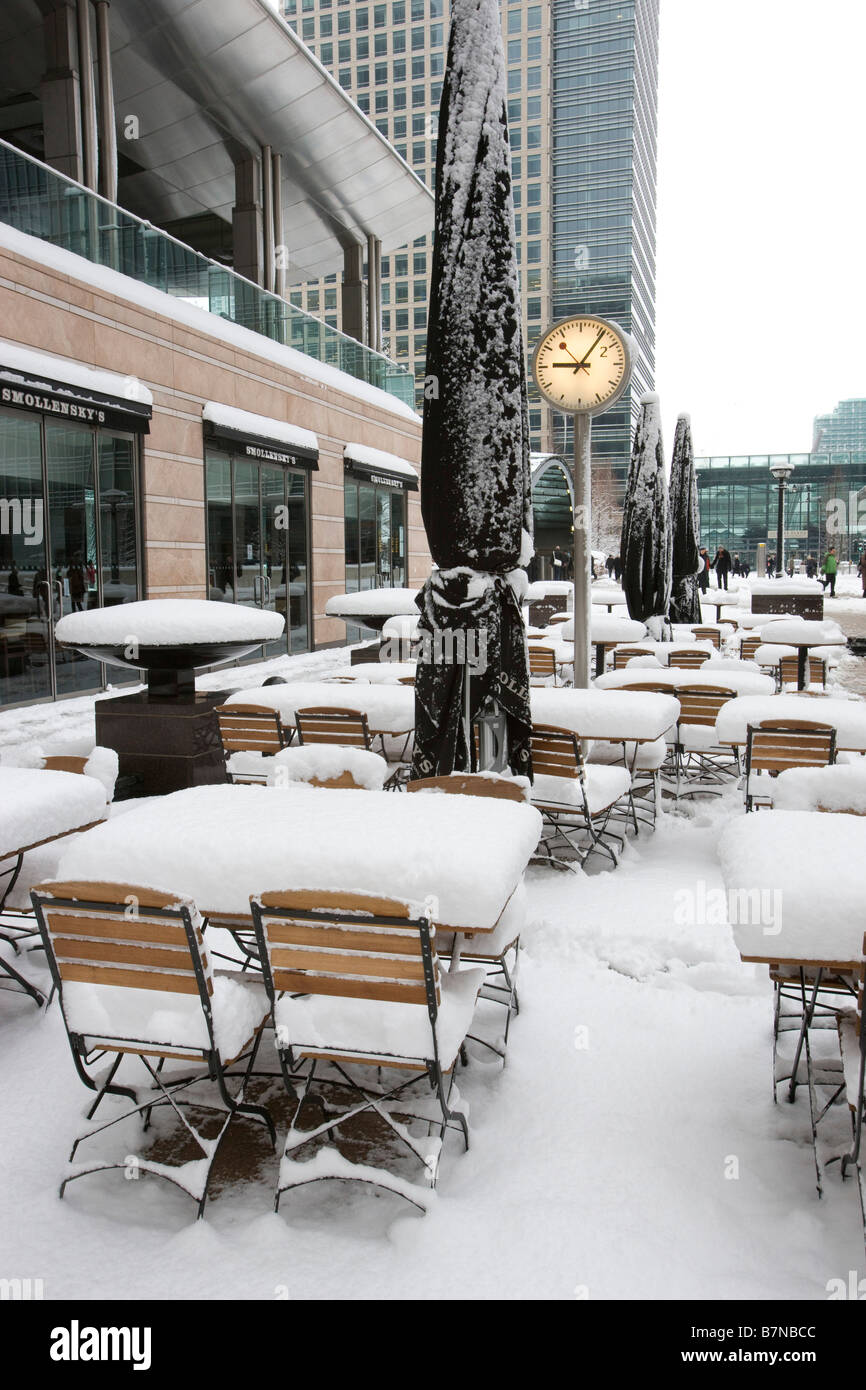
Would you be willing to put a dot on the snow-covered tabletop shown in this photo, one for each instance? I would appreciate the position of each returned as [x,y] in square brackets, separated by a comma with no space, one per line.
[36,806]
[767,587]
[620,715]
[771,653]
[390,709]
[219,845]
[841,787]
[793,632]
[743,677]
[848,717]
[169,622]
[381,603]
[795,886]
[606,628]
[541,589]
[610,597]
[375,672]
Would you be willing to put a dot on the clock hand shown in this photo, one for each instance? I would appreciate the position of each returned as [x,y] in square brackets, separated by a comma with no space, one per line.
[574,367]
[592,349]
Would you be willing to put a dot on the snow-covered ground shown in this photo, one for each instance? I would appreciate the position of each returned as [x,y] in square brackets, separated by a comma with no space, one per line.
[629,1149]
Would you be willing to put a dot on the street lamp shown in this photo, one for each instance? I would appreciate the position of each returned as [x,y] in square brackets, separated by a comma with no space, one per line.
[781,472]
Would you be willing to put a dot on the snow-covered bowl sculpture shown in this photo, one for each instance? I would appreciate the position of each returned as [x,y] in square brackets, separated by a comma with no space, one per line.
[169,639]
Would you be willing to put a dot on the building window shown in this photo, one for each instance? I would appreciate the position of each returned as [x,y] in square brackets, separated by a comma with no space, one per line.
[375,527]
[362,47]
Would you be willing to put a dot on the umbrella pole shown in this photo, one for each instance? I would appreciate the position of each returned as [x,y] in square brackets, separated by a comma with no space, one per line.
[467,711]
[582,548]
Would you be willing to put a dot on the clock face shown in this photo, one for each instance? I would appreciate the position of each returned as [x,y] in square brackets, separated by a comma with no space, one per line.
[582,365]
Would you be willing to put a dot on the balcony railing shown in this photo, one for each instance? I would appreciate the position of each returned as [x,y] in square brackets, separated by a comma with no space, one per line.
[37,200]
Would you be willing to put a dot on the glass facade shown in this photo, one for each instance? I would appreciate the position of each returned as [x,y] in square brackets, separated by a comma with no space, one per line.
[258,541]
[825,503]
[36,200]
[375,539]
[69,541]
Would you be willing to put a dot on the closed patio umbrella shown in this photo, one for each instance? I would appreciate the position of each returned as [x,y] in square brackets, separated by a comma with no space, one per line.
[685,605]
[475,481]
[646,529]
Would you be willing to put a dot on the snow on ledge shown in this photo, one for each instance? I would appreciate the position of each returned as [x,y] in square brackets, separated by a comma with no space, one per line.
[154,301]
[169,622]
[36,364]
[263,426]
[377,458]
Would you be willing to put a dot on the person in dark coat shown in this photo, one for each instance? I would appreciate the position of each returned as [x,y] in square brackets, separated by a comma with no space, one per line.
[610,565]
[14,584]
[77,584]
[617,568]
[737,567]
[704,571]
[722,566]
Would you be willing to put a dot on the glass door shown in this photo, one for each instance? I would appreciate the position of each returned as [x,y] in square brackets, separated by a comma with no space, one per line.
[25,667]
[298,584]
[248,535]
[275,549]
[66,584]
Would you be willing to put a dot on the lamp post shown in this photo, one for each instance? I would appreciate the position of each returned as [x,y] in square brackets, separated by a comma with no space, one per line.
[781,472]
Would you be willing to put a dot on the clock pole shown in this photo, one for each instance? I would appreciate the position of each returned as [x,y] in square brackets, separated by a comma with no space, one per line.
[582,547]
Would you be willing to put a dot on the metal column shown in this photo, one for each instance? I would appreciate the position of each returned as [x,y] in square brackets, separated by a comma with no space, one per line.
[107,129]
[280,252]
[88,97]
[268,216]
[582,548]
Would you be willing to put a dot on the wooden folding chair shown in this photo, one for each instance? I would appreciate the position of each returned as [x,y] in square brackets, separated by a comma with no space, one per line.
[623,655]
[250,729]
[574,798]
[748,647]
[788,671]
[354,981]
[852,1038]
[688,657]
[134,981]
[772,747]
[330,724]
[699,709]
[708,634]
[559,618]
[490,949]
[542,663]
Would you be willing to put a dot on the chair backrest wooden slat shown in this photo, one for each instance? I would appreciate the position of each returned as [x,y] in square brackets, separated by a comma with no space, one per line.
[323,724]
[468,784]
[700,704]
[250,729]
[542,661]
[789,673]
[63,762]
[748,647]
[773,747]
[623,655]
[348,944]
[122,935]
[688,658]
[708,634]
[555,752]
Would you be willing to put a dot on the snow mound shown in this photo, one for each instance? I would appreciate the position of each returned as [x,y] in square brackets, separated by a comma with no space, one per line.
[169,622]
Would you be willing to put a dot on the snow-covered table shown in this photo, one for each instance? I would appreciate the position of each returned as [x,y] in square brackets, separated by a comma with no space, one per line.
[607,597]
[605,631]
[390,709]
[373,607]
[841,787]
[847,717]
[219,845]
[805,636]
[36,807]
[609,717]
[797,880]
[809,868]
[743,677]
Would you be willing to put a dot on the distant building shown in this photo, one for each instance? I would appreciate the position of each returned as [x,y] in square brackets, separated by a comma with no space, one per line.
[844,428]
[825,503]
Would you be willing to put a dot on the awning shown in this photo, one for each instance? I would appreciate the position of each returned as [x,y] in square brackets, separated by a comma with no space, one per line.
[260,436]
[375,466]
[58,386]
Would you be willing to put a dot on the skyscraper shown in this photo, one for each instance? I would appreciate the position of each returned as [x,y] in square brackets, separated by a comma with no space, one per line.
[843,430]
[582,89]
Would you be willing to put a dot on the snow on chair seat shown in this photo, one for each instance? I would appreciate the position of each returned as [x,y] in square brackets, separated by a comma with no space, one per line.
[135,983]
[329,765]
[354,981]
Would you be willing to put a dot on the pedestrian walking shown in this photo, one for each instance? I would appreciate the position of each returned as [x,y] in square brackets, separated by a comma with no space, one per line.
[722,566]
[704,571]
[830,570]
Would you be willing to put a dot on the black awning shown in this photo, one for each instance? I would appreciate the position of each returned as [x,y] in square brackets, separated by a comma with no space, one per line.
[379,473]
[70,402]
[262,448]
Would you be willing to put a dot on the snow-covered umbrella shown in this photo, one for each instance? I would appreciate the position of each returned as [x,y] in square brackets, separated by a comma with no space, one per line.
[475,480]
[646,528]
[685,605]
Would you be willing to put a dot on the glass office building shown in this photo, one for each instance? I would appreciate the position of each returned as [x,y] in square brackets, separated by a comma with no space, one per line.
[604,60]
[843,429]
[582,85]
[825,503]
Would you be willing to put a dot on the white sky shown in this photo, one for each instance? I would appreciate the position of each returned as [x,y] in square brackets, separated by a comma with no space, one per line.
[761,287]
